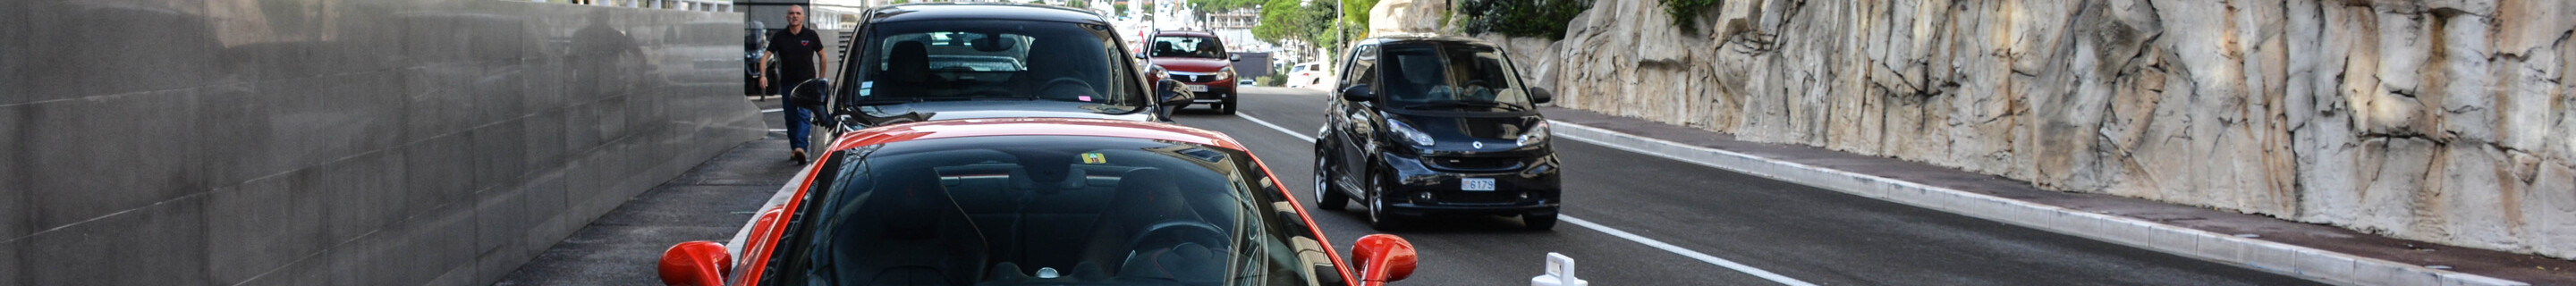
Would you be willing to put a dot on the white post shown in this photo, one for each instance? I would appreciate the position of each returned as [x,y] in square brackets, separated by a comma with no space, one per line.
[1560,272]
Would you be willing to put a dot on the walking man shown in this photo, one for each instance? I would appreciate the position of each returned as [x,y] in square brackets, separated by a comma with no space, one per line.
[802,54]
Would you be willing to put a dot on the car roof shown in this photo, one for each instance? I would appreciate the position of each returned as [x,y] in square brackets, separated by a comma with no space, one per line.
[1415,38]
[955,128]
[982,11]
[1188,33]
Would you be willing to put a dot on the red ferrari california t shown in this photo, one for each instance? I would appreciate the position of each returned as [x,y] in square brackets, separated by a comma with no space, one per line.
[1035,201]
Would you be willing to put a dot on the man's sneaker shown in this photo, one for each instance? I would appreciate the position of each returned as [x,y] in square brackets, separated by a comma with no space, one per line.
[798,155]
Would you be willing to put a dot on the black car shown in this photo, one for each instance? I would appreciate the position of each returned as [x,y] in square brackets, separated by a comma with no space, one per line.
[1436,126]
[923,62]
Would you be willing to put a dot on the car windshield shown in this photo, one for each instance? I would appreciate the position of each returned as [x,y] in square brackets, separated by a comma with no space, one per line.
[1049,210]
[1450,77]
[991,59]
[1188,47]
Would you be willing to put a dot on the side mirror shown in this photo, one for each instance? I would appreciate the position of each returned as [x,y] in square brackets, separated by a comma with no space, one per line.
[1383,258]
[1358,92]
[695,263]
[811,90]
[1541,95]
[1233,58]
[1174,93]
[1141,56]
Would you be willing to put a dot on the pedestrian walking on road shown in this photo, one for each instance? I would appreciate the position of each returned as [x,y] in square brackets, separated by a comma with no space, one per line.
[799,53]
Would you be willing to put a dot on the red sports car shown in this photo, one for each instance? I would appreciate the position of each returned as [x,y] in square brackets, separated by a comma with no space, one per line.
[1035,201]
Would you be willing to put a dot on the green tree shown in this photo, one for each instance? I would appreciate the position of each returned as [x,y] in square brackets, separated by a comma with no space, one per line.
[1286,20]
[1078,4]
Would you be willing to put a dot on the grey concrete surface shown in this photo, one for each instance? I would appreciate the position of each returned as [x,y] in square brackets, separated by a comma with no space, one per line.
[709,202]
[311,142]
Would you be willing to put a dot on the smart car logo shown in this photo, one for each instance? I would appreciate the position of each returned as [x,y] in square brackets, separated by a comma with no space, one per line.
[1479,145]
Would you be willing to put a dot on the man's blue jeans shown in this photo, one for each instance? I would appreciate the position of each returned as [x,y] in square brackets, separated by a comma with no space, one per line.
[798,125]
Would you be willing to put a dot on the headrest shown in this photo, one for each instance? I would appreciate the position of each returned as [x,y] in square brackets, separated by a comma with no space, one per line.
[908,62]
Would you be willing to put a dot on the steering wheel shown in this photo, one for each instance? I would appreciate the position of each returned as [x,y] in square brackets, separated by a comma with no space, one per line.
[1174,233]
[1050,86]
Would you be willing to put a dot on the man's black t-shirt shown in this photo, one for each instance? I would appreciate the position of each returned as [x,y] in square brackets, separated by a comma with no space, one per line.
[795,55]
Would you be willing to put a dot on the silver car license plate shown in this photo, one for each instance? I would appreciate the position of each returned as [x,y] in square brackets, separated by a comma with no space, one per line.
[1476,184]
[1198,88]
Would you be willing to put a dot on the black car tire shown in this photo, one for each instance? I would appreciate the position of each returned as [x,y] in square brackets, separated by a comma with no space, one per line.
[1538,222]
[1377,216]
[1228,108]
[1326,197]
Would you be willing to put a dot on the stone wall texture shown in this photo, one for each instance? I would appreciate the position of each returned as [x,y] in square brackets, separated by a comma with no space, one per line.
[2443,121]
[340,142]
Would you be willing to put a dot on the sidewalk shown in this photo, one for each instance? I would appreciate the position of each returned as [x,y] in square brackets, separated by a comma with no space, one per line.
[710,202]
[2319,252]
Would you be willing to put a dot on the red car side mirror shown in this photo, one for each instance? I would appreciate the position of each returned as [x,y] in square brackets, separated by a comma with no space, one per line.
[695,263]
[1383,258]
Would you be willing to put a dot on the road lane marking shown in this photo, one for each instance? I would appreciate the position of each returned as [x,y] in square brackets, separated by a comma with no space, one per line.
[1702,257]
[778,130]
[1650,242]
[772,110]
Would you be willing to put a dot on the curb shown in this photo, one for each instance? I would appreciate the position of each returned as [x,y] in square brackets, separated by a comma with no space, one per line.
[2286,259]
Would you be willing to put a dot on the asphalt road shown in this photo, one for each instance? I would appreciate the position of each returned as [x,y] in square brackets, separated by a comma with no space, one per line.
[1678,224]
[1686,224]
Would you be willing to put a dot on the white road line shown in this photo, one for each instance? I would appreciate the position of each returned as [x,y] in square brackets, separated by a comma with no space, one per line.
[1650,242]
[772,110]
[778,130]
[1702,257]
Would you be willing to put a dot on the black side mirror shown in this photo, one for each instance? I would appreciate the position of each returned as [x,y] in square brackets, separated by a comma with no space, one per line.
[1174,93]
[1540,95]
[1358,92]
[810,91]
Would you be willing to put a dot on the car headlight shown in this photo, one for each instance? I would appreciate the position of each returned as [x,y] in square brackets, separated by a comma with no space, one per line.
[1536,134]
[1225,73]
[1418,138]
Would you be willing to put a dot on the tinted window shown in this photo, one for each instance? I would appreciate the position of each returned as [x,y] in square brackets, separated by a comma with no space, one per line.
[1188,47]
[991,59]
[1424,76]
[1049,210]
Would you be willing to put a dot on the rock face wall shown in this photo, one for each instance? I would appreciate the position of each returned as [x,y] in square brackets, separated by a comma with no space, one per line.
[2445,121]
[329,142]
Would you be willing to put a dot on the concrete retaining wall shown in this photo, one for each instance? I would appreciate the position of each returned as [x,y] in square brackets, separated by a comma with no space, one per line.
[2446,121]
[320,142]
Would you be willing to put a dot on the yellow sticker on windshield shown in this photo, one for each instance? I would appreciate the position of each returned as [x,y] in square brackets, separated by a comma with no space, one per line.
[1094,158]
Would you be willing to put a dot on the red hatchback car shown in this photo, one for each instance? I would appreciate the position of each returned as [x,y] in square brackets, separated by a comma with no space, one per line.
[1200,60]
[1035,201]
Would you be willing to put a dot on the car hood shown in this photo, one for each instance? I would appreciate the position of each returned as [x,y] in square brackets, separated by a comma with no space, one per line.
[1462,131]
[1197,65]
[945,110]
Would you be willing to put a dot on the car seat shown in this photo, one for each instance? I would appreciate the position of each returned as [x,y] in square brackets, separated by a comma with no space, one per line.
[905,231]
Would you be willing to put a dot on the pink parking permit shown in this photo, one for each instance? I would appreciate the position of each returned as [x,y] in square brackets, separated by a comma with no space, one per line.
[1086,98]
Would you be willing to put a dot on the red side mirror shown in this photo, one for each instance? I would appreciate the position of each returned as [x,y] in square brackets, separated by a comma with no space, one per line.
[1383,258]
[695,263]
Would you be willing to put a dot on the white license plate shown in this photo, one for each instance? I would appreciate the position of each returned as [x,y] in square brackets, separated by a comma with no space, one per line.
[1476,184]
[1198,88]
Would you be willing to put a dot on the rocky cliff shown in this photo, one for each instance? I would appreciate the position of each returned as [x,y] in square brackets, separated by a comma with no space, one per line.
[2445,121]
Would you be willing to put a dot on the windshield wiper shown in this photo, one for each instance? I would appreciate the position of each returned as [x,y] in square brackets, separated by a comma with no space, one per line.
[1454,103]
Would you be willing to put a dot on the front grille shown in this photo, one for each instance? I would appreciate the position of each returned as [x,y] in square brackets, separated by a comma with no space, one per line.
[1456,197]
[1474,163]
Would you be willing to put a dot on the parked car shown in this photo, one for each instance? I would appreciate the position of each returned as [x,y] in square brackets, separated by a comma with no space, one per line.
[1035,201]
[1436,126]
[1198,59]
[1308,75]
[943,61]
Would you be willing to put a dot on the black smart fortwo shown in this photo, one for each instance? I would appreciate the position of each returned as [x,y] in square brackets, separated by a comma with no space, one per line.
[1436,126]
